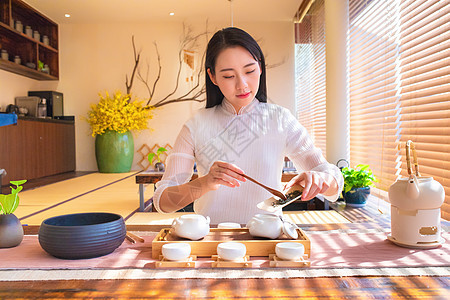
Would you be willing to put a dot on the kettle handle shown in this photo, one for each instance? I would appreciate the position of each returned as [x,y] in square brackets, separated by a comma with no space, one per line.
[410,147]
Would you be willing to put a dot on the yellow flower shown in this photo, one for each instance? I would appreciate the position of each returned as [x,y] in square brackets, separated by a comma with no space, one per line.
[118,113]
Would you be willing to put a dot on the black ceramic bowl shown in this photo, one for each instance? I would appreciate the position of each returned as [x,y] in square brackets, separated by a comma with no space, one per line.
[83,235]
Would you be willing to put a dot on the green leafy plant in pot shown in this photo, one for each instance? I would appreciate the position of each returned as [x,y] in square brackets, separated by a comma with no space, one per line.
[11,231]
[357,182]
[159,166]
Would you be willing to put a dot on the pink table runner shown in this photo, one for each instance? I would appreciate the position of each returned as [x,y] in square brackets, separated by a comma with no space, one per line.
[329,250]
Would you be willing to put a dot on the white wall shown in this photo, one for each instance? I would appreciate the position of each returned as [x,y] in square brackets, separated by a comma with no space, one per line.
[96,58]
[12,85]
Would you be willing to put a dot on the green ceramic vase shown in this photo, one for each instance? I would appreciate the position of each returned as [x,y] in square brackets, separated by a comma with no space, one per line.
[114,152]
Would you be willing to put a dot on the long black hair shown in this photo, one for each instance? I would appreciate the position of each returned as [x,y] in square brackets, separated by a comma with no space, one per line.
[223,39]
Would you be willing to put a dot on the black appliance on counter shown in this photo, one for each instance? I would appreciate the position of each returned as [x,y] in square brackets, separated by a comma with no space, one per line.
[54,102]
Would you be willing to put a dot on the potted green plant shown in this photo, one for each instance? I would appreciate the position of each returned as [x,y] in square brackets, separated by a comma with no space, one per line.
[357,182]
[159,166]
[11,231]
[111,120]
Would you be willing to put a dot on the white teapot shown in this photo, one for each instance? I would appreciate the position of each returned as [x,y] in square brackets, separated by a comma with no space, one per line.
[416,193]
[192,226]
[265,225]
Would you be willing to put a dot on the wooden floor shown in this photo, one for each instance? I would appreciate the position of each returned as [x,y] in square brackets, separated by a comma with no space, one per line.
[315,288]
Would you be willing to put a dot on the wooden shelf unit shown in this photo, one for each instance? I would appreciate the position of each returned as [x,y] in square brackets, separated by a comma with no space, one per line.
[29,49]
[36,148]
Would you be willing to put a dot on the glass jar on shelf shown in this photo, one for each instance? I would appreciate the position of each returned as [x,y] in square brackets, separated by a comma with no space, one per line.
[37,36]
[45,40]
[46,69]
[5,54]
[42,108]
[29,31]
[19,26]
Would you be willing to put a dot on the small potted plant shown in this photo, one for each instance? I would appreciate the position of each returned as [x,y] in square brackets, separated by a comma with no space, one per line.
[159,166]
[11,231]
[357,182]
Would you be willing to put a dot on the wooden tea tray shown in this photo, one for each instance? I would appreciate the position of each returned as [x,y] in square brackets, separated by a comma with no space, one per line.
[207,246]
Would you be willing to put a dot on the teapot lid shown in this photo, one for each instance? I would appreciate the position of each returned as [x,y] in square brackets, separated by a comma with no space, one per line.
[290,230]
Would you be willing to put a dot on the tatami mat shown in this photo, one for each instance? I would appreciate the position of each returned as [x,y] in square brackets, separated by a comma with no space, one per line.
[97,192]
[315,217]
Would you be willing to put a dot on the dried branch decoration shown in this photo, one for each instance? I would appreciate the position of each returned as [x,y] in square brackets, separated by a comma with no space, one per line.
[188,41]
[137,56]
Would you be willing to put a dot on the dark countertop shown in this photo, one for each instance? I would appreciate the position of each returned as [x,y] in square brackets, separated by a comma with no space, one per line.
[48,120]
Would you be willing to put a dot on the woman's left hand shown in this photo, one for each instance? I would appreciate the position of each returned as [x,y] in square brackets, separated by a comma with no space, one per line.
[313,182]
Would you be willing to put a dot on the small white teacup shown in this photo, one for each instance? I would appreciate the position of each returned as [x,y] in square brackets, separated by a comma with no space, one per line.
[228,225]
[176,251]
[290,250]
[231,250]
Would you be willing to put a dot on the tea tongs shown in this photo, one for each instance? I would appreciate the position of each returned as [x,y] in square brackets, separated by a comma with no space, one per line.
[271,190]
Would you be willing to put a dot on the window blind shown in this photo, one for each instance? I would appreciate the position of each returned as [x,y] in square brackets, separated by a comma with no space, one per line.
[373,87]
[425,88]
[310,73]
[400,87]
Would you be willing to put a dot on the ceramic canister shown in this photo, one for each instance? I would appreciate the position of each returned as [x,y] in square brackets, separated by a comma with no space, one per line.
[19,26]
[45,40]
[5,54]
[29,31]
[36,35]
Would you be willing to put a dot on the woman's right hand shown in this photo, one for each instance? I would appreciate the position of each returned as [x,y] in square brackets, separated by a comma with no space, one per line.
[223,173]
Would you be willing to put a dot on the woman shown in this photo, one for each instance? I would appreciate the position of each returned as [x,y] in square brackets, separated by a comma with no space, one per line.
[238,132]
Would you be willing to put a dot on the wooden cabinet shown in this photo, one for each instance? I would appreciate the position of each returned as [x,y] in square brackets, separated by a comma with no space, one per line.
[28,48]
[36,148]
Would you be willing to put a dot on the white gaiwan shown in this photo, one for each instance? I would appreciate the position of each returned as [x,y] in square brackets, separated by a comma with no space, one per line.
[176,251]
[231,250]
[265,225]
[290,250]
[192,226]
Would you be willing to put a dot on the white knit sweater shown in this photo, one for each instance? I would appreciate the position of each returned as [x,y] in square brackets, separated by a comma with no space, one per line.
[256,139]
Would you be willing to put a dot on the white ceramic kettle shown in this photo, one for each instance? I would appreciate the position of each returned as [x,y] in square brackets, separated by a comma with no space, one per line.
[415,208]
[416,192]
[192,226]
[265,225]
